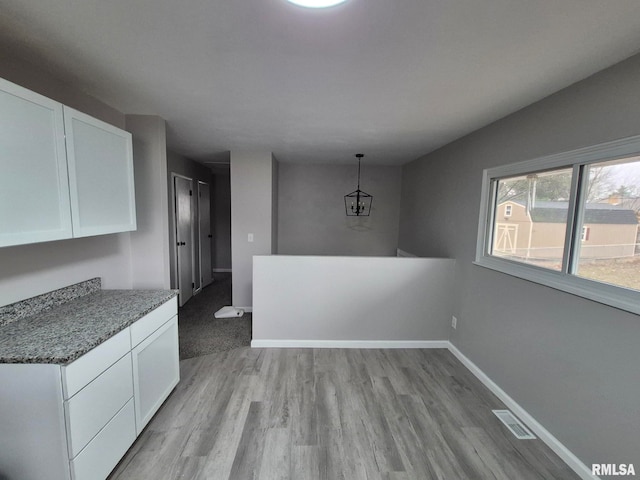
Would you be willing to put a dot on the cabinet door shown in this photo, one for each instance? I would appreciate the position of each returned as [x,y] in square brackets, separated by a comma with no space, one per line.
[156,370]
[34,190]
[100,158]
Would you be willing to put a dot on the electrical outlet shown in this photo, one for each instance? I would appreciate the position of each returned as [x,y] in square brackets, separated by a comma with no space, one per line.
[250,237]
[454,322]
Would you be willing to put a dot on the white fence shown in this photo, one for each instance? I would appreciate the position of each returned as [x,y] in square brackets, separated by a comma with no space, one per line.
[591,252]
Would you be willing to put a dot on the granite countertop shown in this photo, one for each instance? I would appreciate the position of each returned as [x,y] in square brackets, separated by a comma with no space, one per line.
[61,334]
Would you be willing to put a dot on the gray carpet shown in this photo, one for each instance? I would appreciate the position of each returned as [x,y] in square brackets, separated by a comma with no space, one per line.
[201,333]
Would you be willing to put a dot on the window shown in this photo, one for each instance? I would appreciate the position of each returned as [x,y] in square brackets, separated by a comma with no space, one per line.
[535,236]
[585,234]
[568,221]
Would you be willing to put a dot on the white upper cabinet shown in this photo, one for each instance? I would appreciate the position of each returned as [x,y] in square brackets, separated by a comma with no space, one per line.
[34,190]
[100,159]
[52,187]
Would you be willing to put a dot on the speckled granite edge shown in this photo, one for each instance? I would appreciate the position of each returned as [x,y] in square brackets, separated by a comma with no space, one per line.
[64,333]
[34,305]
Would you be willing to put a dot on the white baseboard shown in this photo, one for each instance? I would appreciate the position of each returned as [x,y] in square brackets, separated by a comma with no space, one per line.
[349,344]
[543,434]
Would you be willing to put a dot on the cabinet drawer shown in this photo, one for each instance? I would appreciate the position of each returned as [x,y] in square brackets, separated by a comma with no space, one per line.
[79,373]
[152,321]
[93,406]
[107,448]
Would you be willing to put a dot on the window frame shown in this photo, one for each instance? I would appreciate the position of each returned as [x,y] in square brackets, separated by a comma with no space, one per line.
[566,279]
[508,209]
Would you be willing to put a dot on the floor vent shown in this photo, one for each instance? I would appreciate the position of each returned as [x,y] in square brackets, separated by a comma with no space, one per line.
[512,423]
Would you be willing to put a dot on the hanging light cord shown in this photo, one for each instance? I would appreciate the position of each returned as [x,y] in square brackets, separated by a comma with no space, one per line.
[359,206]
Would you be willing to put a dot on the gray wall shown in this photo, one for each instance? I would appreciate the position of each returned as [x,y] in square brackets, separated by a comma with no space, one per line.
[195,171]
[150,251]
[311,212]
[252,210]
[221,220]
[571,363]
[60,89]
[30,270]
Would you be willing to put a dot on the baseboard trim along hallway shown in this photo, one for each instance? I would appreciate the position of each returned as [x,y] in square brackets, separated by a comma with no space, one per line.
[349,344]
[543,434]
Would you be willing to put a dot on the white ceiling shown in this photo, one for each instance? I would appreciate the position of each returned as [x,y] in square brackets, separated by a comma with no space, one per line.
[393,79]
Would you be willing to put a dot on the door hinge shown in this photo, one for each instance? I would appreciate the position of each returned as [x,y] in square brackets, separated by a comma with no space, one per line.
[190,193]
[193,285]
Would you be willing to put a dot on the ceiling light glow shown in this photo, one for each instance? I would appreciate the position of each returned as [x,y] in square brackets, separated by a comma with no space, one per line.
[316,3]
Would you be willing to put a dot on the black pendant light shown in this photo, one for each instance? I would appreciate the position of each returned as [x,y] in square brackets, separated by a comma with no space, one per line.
[358,203]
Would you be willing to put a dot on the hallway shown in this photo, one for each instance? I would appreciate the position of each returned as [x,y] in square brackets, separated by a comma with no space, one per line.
[201,333]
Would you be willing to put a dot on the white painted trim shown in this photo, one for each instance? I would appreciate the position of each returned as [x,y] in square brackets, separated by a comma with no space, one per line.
[221,270]
[349,344]
[543,434]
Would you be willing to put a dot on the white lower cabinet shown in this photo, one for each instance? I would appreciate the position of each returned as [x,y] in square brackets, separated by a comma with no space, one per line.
[75,422]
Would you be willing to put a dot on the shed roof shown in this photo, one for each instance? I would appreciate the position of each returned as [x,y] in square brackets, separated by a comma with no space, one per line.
[556,212]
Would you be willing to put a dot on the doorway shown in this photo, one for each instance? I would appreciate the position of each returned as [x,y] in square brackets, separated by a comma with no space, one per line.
[184,235]
[191,230]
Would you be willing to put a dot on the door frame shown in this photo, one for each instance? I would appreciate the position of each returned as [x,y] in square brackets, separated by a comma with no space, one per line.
[210,238]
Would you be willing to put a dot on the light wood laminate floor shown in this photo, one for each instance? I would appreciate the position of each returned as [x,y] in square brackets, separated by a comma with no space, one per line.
[332,414]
